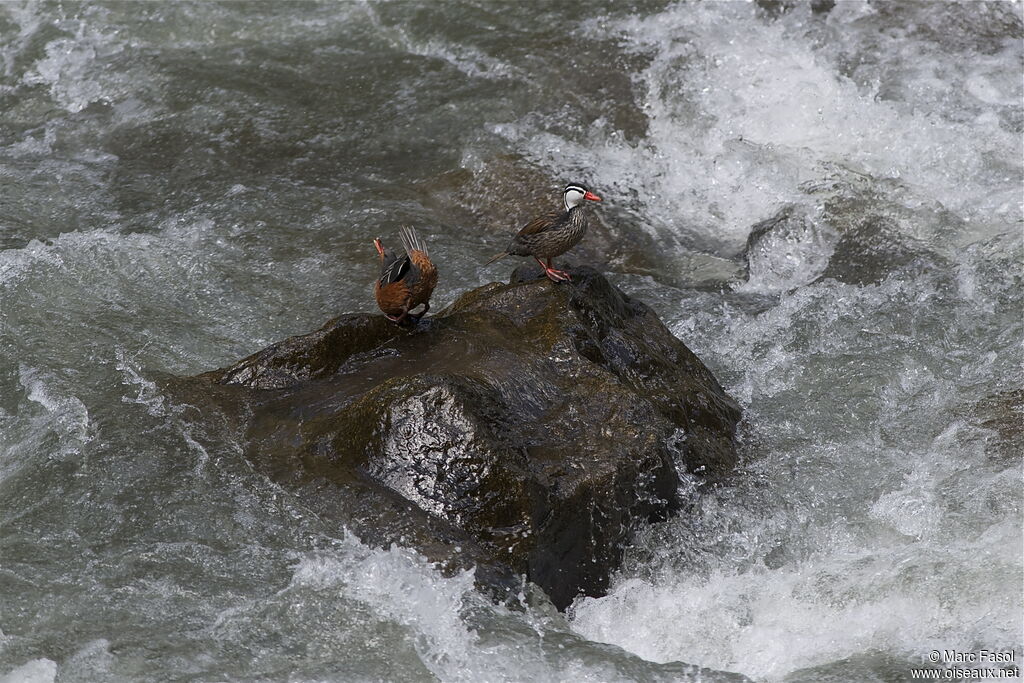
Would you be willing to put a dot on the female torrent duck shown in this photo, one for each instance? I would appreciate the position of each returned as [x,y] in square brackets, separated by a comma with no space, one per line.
[405,281]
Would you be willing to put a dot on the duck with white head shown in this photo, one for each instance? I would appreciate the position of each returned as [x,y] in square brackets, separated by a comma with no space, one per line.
[554,233]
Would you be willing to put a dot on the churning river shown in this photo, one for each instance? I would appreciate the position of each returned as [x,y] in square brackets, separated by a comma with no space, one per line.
[183,183]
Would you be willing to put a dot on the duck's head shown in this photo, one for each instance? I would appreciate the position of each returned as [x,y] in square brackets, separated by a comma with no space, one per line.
[574,193]
[386,255]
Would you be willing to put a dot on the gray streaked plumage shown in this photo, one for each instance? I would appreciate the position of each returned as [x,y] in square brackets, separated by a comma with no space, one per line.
[555,233]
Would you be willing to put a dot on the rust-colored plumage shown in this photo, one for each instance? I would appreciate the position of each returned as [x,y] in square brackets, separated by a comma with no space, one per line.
[405,281]
[553,234]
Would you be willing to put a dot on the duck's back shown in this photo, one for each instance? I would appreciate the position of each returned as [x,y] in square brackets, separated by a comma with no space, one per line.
[550,235]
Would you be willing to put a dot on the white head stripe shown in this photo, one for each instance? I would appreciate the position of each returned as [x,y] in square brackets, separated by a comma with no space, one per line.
[572,195]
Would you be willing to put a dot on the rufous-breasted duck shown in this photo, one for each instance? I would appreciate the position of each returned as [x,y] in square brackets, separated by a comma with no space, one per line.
[405,281]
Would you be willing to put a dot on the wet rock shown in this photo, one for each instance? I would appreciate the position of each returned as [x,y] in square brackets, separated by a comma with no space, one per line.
[872,248]
[773,9]
[526,430]
[870,667]
[849,239]
[985,28]
[876,234]
[1003,415]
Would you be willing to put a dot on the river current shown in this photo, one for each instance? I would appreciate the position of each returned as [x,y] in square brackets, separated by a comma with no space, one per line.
[183,183]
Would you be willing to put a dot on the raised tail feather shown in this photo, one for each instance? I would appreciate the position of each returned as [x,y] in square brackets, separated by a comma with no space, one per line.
[411,241]
[498,256]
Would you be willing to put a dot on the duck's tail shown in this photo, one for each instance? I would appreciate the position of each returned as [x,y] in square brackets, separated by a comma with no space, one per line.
[411,241]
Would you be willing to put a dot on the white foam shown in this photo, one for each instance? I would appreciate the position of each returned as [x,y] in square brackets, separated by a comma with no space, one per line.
[743,112]
[92,662]
[62,429]
[14,263]
[33,146]
[468,59]
[28,21]
[794,253]
[876,519]
[458,634]
[147,394]
[70,68]
[157,405]
[34,671]
[766,623]
[873,517]
[68,416]
[400,585]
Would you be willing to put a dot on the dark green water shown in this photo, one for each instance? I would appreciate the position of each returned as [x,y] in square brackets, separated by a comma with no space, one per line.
[184,183]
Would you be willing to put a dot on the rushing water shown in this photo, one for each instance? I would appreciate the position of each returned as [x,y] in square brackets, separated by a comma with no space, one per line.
[184,183]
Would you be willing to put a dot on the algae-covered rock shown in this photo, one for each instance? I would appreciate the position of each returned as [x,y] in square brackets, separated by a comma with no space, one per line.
[527,429]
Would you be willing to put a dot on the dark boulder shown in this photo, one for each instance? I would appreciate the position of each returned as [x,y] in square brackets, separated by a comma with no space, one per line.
[872,249]
[527,429]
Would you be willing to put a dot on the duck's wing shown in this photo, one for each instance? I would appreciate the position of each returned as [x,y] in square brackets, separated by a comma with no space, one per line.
[396,270]
[543,223]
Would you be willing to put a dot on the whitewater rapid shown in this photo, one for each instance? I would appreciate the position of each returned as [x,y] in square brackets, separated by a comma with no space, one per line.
[186,183]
